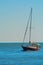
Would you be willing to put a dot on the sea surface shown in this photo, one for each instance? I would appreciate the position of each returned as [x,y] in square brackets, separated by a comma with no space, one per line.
[13,54]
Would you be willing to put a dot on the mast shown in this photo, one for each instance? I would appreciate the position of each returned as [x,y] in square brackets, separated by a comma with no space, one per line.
[30,26]
[29,19]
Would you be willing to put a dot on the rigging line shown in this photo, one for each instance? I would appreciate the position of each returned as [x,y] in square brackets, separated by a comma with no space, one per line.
[26,28]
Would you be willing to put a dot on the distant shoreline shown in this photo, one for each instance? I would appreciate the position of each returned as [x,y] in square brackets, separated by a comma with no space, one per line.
[20,42]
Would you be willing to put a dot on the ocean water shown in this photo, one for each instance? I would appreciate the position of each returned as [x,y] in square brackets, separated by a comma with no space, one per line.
[13,54]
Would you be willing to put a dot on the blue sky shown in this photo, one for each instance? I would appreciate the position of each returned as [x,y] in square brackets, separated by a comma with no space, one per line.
[14,16]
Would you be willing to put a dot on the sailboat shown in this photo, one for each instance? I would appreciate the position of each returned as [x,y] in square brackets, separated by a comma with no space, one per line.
[33,46]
